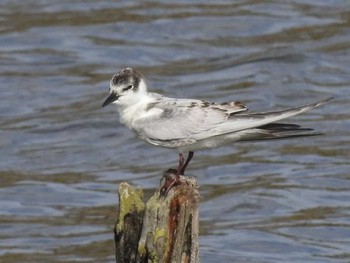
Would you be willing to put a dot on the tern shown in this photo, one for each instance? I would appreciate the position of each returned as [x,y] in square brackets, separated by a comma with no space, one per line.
[189,125]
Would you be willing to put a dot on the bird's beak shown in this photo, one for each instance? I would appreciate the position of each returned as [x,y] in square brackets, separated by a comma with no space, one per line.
[111,98]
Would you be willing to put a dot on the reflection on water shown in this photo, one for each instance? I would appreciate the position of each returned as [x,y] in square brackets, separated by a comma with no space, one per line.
[62,157]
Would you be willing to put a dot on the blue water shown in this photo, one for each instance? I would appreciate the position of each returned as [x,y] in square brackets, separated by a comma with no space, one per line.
[62,157]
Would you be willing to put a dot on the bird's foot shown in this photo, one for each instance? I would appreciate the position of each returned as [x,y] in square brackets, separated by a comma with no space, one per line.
[171,178]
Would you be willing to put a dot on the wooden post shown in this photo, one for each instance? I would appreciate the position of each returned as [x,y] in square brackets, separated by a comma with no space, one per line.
[165,229]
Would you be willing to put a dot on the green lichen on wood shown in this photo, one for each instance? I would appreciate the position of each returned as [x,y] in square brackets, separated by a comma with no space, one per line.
[160,233]
[130,201]
[144,253]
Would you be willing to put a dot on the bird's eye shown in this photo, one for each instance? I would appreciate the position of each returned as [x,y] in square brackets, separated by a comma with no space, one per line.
[128,87]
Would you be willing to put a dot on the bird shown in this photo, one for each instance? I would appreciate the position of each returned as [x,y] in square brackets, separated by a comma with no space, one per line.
[189,125]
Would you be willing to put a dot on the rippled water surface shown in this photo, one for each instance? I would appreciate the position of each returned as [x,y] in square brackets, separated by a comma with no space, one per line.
[62,157]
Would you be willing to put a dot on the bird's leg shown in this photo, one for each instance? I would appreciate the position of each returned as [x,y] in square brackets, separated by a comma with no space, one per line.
[181,164]
[171,178]
[189,158]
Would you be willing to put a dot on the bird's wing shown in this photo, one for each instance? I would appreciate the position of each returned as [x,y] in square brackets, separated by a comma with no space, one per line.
[176,119]
[188,120]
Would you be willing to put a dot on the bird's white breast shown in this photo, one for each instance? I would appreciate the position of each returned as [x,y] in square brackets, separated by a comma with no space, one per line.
[131,113]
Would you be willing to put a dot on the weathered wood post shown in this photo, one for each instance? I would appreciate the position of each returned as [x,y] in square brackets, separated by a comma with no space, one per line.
[165,229]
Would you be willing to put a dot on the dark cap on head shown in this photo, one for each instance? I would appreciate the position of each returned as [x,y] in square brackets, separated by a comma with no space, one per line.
[128,78]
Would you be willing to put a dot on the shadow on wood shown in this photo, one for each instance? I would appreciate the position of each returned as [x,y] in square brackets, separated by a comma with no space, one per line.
[165,229]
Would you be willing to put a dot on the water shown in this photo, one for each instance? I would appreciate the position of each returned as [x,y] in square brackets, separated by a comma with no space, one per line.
[62,156]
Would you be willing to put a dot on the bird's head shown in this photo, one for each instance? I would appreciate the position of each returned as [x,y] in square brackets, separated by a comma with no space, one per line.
[126,87]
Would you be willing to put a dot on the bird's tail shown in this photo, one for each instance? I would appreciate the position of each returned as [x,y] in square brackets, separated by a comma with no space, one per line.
[273,131]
